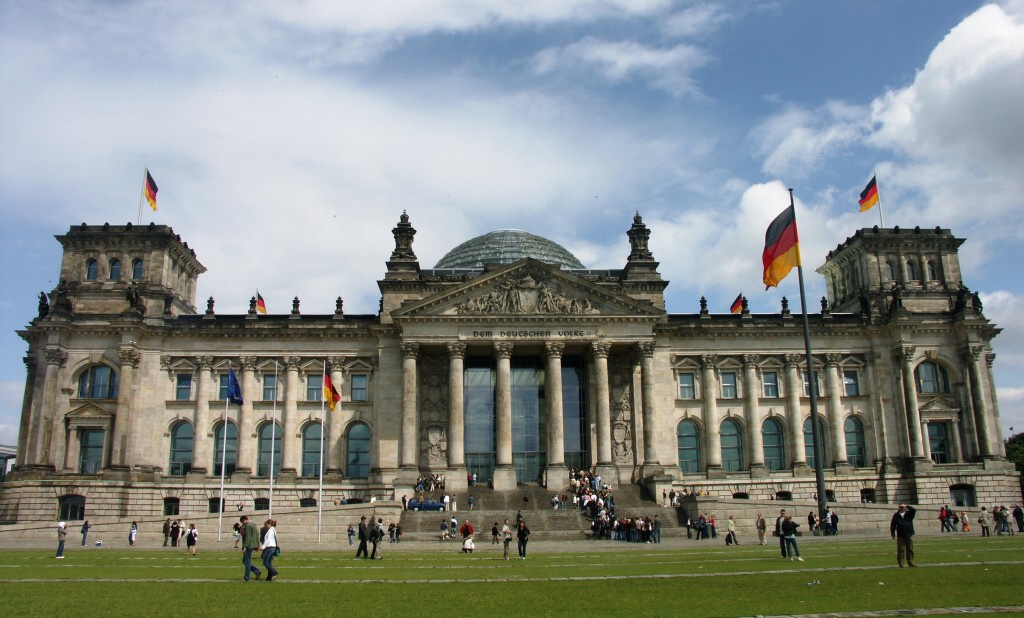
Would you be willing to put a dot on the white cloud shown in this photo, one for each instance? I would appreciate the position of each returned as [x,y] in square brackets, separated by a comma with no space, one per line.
[798,141]
[698,21]
[11,393]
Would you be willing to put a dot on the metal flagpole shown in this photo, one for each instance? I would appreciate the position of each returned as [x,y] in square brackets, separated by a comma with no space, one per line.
[223,459]
[320,490]
[145,171]
[812,380]
[878,191]
[273,432]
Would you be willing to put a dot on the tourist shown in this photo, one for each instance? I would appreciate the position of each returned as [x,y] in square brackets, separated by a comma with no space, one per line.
[789,533]
[472,502]
[237,528]
[62,537]
[405,503]
[447,500]
[1018,516]
[250,543]
[965,522]
[85,532]
[523,534]
[453,525]
[656,529]
[376,536]
[444,529]
[167,531]
[270,549]
[506,535]
[730,535]
[494,534]
[466,530]
[191,536]
[901,528]
[133,532]
[351,534]
[175,532]
[983,522]
[762,528]
[364,535]
[778,531]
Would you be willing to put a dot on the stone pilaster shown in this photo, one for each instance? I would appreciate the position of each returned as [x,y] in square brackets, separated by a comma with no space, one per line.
[599,350]
[121,455]
[651,464]
[556,470]
[751,392]
[455,477]
[905,354]
[202,444]
[504,474]
[972,355]
[246,441]
[834,388]
[410,424]
[712,431]
[794,416]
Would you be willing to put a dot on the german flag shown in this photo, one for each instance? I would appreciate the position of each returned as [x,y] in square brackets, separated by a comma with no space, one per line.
[781,248]
[261,307]
[869,196]
[737,305]
[149,190]
[331,395]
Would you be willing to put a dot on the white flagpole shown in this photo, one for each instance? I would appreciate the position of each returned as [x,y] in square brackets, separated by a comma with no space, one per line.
[878,190]
[145,172]
[320,491]
[273,432]
[223,459]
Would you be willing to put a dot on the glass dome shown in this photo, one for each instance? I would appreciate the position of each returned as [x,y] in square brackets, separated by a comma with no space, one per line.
[505,247]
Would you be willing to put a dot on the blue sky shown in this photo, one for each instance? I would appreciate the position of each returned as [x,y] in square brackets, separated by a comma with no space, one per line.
[288,137]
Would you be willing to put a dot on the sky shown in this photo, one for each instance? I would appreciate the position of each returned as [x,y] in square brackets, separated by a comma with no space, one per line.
[287,138]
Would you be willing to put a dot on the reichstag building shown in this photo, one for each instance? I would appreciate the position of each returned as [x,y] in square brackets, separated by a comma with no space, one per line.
[509,360]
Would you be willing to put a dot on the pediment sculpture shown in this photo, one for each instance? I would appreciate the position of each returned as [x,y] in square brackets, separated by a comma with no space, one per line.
[525,296]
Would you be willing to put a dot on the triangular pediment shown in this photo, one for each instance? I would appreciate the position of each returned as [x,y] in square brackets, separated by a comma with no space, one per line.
[89,411]
[528,288]
[940,404]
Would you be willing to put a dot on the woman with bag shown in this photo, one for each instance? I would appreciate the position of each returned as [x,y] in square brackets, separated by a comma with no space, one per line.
[191,536]
[270,549]
[506,534]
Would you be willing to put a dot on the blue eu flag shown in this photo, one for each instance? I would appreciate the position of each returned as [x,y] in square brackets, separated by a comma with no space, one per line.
[234,390]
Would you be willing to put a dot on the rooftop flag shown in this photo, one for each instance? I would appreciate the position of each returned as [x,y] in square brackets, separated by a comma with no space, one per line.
[261,307]
[149,190]
[234,390]
[737,305]
[869,196]
[781,248]
[331,395]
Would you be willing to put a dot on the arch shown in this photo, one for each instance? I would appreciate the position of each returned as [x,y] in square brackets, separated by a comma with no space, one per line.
[732,445]
[114,269]
[357,450]
[911,271]
[311,436]
[268,445]
[933,270]
[92,268]
[98,382]
[182,442]
[774,439]
[71,507]
[137,268]
[890,271]
[931,377]
[856,447]
[809,441]
[688,441]
[225,450]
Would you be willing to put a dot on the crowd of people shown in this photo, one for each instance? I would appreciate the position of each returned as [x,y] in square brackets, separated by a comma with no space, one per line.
[429,482]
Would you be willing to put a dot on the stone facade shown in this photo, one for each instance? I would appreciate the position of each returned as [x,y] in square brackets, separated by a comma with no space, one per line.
[513,371]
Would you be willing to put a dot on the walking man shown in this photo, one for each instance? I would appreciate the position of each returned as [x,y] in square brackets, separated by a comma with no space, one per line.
[778,532]
[376,536]
[250,543]
[363,535]
[902,529]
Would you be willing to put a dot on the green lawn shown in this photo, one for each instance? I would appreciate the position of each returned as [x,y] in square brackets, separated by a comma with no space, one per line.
[643,580]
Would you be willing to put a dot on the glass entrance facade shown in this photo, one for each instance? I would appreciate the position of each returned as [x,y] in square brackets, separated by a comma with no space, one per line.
[575,424]
[529,432]
[478,393]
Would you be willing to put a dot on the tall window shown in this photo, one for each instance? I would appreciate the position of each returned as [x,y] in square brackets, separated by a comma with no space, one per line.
[90,453]
[269,387]
[183,387]
[911,271]
[770,380]
[931,378]
[478,397]
[851,383]
[686,386]
[856,451]
[98,382]
[732,446]
[222,387]
[358,451]
[358,384]
[774,445]
[91,269]
[933,271]
[182,439]
[807,389]
[728,385]
[890,271]
[311,450]
[688,438]
[809,440]
[270,434]
[172,506]
[314,386]
[114,269]
[219,446]
[575,423]
[938,443]
[137,269]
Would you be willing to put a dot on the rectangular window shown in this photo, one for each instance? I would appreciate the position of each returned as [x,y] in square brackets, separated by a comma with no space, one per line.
[270,388]
[686,386]
[817,387]
[729,385]
[222,391]
[359,387]
[851,383]
[183,387]
[90,454]
[314,386]
[770,379]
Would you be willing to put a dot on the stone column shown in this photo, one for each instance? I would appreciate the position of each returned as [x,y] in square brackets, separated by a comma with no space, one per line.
[410,423]
[997,426]
[794,416]
[120,454]
[905,354]
[53,436]
[455,477]
[646,350]
[246,442]
[983,422]
[41,427]
[332,450]
[202,444]
[291,441]
[751,391]
[876,412]
[556,471]
[833,384]
[600,351]
[27,414]
[504,474]
[712,430]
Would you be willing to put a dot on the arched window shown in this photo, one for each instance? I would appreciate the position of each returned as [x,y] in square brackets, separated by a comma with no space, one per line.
[931,378]
[311,450]
[856,451]
[98,382]
[269,433]
[911,271]
[732,446]
[688,438]
[809,442]
[774,444]
[358,451]
[890,271]
[182,438]
[137,269]
[91,269]
[933,271]
[230,458]
[114,269]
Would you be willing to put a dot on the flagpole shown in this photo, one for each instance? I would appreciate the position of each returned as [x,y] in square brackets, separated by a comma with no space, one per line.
[812,380]
[273,432]
[323,427]
[223,460]
[878,191]
[145,171]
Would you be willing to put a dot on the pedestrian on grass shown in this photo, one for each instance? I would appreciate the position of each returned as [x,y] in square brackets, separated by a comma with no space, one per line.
[789,533]
[376,536]
[250,543]
[983,522]
[62,537]
[167,531]
[175,533]
[762,527]
[523,534]
[494,534]
[270,549]
[506,536]
[85,532]
[364,535]
[133,532]
[191,536]
[237,532]
[778,531]
[351,534]
[901,528]
[730,536]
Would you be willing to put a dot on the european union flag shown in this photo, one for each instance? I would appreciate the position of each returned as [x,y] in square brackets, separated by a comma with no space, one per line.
[234,390]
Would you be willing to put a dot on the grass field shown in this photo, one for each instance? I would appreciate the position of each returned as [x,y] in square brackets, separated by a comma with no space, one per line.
[640,580]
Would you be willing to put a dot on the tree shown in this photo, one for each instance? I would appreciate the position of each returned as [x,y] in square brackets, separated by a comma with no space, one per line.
[1015,453]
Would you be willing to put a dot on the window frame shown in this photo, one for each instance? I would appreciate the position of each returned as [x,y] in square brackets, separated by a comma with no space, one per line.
[730,388]
[180,388]
[774,462]
[687,382]
[358,468]
[311,452]
[114,269]
[688,454]
[178,465]
[88,385]
[92,269]
[856,442]
[765,384]
[359,387]
[314,387]
[737,448]
[271,387]
[847,375]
